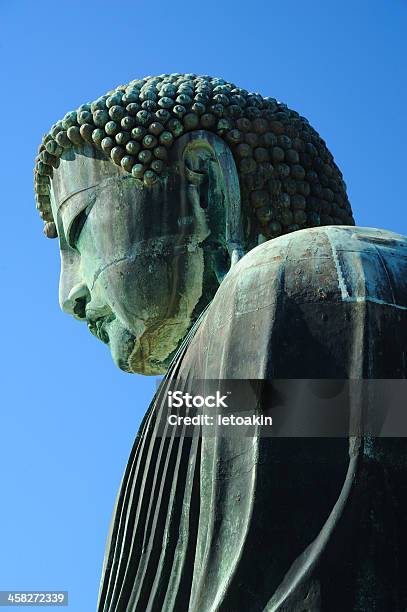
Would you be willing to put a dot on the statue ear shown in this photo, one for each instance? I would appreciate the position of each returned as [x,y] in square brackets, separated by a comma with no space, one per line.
[201,170]
[207,166]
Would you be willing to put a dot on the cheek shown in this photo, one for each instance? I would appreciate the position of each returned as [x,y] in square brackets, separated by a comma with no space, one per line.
[137,289]
[152,289]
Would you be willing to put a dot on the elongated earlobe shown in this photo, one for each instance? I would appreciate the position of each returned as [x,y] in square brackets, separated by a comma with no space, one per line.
[208,168]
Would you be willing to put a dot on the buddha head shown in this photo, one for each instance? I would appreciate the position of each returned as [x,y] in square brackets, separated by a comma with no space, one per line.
[155,190]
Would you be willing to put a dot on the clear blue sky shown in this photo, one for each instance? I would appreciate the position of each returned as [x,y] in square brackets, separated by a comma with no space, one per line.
[68,417]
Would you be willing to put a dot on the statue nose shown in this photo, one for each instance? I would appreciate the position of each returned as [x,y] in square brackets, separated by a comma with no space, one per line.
[75,303]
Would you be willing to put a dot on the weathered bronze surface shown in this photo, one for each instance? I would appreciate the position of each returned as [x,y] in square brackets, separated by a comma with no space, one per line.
[159,260]
[254,523]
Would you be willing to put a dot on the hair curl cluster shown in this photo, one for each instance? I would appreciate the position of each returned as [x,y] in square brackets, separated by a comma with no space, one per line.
[288,177]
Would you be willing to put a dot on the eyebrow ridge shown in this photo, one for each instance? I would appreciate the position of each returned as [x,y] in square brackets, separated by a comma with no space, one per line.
[73,193]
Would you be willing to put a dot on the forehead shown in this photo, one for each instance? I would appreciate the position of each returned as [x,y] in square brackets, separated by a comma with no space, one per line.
[81,168]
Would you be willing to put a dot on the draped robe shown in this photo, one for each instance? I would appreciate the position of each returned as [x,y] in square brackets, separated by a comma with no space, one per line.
[260,524]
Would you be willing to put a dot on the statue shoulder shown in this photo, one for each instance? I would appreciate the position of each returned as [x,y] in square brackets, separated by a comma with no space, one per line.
[324,242]
[333,262]
[314,293]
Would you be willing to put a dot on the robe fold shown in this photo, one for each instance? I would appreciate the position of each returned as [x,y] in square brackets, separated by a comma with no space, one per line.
[211,523]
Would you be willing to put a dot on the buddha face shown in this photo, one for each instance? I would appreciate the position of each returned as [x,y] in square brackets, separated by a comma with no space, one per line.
[133,264]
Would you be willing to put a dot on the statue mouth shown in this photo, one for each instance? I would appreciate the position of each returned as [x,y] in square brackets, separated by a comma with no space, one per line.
[98,327]
[109,329]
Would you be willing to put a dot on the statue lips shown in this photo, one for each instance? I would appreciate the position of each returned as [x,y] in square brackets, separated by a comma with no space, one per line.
[107,328]
[97,324]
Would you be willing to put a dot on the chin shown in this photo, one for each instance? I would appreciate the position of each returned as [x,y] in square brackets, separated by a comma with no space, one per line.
[134,355]
[141,363]
[153,352]
[148,350]
[121,344]
[147,368]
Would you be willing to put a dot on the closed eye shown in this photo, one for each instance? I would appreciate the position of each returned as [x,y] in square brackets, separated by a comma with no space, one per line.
[77,226]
